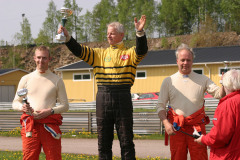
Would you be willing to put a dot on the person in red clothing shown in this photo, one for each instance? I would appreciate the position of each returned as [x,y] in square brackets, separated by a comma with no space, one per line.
[224,138]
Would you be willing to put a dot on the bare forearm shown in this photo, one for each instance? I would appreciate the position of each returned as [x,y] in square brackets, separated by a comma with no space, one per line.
[222,91]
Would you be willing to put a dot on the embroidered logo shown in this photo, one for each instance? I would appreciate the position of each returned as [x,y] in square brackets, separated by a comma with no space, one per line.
[107,59]
[124,57]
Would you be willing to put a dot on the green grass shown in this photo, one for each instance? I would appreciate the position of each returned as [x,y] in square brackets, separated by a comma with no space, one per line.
[144,110]
[94,110]
[74,134]
[13,133]
[17,155]
[134,110]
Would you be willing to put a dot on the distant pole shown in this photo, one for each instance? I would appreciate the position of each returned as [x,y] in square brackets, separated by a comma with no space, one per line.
[23,25]
[24,29]
[23,15]
[14,56]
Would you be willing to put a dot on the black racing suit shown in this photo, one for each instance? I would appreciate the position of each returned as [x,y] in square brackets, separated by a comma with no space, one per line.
[114,69]
[114,106]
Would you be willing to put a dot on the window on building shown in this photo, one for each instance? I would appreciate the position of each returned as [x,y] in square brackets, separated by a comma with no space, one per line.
[222,69]
[141,75]
[199,71]
[81,77]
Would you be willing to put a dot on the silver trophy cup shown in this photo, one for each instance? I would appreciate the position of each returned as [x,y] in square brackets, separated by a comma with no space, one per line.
[226,64]
[66,13]
[23,93]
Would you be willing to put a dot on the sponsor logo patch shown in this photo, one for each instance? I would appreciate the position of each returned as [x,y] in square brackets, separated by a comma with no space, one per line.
[214,119]
[124,57]
[107,59]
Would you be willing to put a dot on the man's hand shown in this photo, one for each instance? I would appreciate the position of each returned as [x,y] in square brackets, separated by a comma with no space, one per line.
[64,30]
[139,25]
[26,108]
[169,128]
[199,140]
[42,113]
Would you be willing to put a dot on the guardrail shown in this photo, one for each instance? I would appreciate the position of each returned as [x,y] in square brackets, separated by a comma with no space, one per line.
[144,122]
[146,104]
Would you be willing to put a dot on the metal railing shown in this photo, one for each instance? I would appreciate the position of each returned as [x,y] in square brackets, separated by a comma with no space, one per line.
[144,122]
[145,104]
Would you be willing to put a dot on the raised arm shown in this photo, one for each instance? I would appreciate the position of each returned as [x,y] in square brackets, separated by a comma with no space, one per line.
[141,40]
[139,25]
[64,30]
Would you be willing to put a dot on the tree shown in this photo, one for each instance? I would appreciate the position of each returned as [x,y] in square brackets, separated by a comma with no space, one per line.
[103,13]
[160,27]
[17,38]
[76,18]
[25,37]
[50,25]
[13,60]
[126,16]
[70,24]
[43,38]
[2,42]
[180,17]
[147,8]
[201,10]
[166,17]
[181,23]
[86,27]
[231,14]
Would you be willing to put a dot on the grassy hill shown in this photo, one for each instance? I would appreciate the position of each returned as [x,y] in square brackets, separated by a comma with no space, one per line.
[22,56]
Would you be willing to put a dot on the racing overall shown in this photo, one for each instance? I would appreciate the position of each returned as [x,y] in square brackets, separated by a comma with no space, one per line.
[114,69]
[181,141]
[114,106]
[45,133]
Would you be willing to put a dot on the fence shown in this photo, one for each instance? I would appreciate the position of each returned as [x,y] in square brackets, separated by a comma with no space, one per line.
[144,122]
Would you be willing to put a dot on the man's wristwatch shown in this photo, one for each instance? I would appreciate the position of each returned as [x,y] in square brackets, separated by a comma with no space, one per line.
[52,111]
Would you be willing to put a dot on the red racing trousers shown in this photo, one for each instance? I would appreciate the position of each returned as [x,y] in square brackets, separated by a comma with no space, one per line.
[41,138]
[181,143]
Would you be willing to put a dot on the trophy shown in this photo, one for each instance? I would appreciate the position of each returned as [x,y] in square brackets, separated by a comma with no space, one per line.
[66,13]
[226,63]
[23,93]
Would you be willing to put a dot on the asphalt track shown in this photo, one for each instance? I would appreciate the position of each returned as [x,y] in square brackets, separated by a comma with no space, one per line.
[144,148]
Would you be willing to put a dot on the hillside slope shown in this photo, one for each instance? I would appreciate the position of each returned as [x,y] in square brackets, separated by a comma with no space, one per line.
[62,56]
